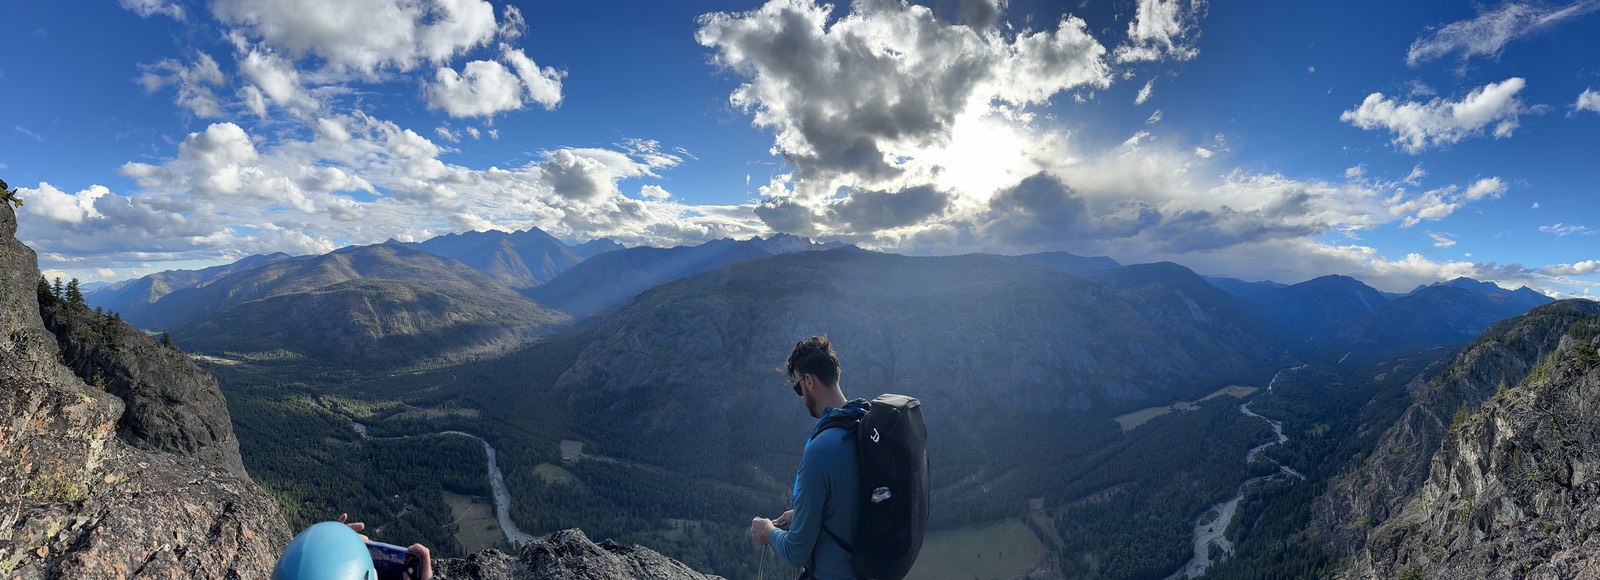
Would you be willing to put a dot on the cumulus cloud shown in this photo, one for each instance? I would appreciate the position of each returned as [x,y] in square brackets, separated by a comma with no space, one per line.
[862,99]
[1418,126]
[1491,31]
[1163,29]
[359,179]
[364,37]
[1589,100]
[1486,187]
[487,87]
[195,83]
[1574,269]
[50,203]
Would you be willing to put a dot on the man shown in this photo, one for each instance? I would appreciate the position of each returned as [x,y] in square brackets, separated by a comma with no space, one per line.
[822,518]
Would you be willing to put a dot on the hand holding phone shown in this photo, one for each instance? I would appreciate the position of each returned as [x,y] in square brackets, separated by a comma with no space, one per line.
[393,562]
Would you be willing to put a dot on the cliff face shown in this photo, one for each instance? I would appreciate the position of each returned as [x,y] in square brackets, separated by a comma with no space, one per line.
[1514,492]
[170,404]
[1492,472]
[165,499]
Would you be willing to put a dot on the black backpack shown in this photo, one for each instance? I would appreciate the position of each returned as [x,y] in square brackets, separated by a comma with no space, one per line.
[893,461]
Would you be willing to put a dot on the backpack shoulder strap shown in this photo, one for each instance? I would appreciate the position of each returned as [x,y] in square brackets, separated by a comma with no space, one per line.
[846,421]
[842,544]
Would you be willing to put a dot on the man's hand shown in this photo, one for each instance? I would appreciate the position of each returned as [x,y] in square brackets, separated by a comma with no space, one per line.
[784,520]
[760,532]
[424,563]
[358,527]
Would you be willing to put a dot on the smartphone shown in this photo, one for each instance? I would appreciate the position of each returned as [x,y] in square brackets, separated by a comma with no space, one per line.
[393,562]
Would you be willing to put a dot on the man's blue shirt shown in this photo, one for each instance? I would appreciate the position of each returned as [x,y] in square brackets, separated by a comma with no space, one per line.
[826,489]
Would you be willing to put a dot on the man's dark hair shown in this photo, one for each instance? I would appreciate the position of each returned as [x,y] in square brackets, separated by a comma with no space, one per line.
[814,356]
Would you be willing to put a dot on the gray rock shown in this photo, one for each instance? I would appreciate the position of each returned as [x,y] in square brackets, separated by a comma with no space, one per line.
[79,501]
[568,555]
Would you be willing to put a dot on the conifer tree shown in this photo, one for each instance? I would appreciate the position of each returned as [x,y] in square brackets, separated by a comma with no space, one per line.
[8,195]
[44,291]
[56,289]
[74,296]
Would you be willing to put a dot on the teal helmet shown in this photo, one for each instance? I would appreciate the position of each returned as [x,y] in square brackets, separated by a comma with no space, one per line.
[325,551]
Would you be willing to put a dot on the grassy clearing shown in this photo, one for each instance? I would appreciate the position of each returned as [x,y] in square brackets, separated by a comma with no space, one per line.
[1133,420]
[571,450]
[1004,550]
[476,526]
[555,474]
[435,413]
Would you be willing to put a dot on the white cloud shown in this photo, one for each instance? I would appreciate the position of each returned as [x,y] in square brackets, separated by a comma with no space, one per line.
[654,192]
[29,133]
[364,37]
[1441,240]
[473,131]
[195,83]
[543,85]
[1589,100]
[1486,187]
[1163,29]
[148,8]
[1155,117]
[1144,93]
[276,78]
[1418,126]
[488,87]
[1355,172]
[1432,205]
[48,202]
[1535,205]
[1575,269]
[1564,230]
[873,98]
[448,135]
[1489,33]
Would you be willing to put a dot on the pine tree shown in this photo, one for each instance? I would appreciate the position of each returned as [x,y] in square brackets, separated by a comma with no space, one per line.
[44,291]
[166,339]
[56,289]
[74,296]
[8,195]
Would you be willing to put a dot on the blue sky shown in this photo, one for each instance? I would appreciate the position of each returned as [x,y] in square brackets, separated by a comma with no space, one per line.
[1400,143]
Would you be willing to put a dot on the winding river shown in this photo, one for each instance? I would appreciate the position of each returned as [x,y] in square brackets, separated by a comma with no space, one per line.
[497,482]
[1210,529]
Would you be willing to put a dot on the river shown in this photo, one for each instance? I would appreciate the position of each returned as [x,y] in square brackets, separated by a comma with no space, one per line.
[497,483]
[1210,529]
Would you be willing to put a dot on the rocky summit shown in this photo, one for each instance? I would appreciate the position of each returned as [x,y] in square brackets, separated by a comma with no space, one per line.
[568,555]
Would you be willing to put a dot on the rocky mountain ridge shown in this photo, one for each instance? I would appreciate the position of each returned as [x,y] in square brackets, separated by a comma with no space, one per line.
[1489,473]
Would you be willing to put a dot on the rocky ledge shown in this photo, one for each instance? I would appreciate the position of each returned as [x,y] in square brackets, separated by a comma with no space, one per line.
[568,555]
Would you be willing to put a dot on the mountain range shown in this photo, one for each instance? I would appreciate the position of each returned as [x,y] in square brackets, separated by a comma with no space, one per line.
[654,359]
